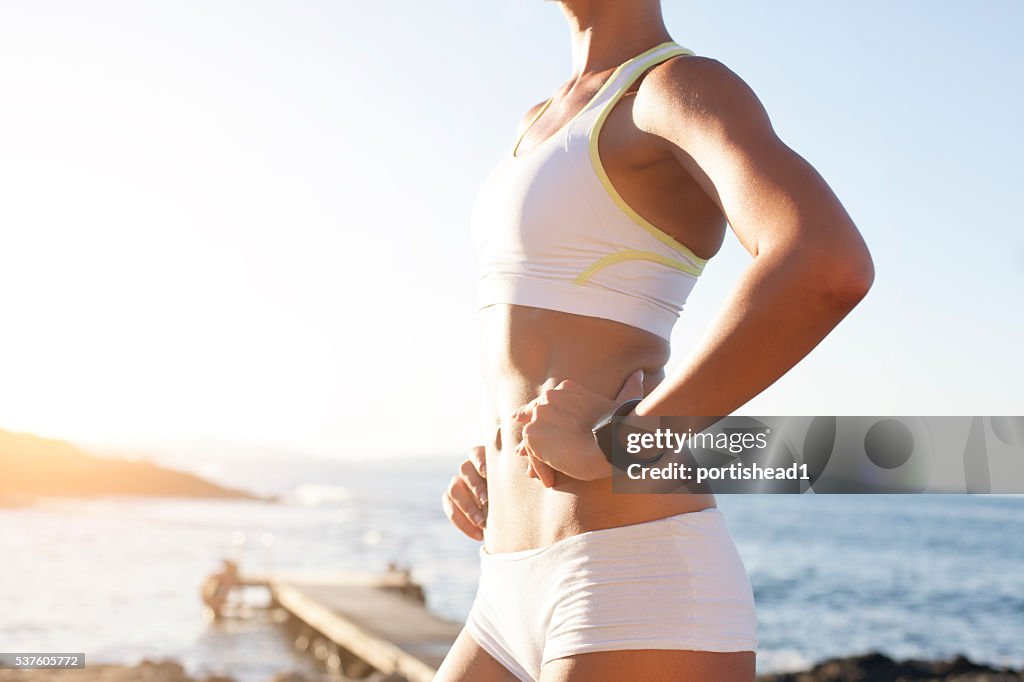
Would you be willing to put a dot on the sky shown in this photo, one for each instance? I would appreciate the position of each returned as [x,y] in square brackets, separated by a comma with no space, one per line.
[247,224]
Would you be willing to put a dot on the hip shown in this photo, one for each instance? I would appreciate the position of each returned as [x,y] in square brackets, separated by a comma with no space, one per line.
[674,583]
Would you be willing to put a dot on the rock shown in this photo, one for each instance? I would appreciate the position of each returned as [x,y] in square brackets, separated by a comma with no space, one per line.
[877,667]
[289,677]
[160,671]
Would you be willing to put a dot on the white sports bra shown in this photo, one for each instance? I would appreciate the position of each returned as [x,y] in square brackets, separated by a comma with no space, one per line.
[550,230]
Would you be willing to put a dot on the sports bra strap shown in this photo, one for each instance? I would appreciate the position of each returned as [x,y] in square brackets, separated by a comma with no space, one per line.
[630,71]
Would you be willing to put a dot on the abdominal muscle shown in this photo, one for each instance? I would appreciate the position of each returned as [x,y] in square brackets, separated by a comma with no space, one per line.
[523,348]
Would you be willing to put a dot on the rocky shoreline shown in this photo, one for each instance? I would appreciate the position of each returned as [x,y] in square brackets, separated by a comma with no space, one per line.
[147,671]
[873,667]
[876,667]
[150,671]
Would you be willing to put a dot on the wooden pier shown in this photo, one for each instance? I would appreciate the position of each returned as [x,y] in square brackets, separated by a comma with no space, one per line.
[374,622]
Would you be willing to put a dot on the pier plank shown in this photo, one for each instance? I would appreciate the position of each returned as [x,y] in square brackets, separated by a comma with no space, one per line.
[391,632]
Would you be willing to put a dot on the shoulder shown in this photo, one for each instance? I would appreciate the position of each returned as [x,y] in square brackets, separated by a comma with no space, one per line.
[696,95]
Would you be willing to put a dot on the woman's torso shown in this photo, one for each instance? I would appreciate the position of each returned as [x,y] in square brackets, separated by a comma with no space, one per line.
[525,346]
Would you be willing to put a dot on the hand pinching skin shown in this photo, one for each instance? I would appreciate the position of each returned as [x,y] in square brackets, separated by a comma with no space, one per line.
[558,432]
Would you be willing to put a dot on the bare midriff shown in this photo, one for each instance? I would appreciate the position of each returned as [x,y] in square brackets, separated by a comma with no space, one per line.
[523,348]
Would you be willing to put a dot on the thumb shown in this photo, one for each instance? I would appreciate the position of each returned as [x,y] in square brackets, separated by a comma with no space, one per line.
[524,413]
[632,388]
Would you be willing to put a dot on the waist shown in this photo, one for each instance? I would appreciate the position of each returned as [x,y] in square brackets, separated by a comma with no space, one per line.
[524,347]
[519,519]
[618,537]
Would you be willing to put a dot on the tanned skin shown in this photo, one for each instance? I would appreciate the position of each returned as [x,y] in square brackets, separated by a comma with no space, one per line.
[691,149]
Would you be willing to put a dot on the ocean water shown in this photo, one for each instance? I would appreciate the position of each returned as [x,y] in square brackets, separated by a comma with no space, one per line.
[118,578]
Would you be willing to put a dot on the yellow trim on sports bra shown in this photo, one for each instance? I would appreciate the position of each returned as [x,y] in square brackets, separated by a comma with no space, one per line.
[634,254]
[595,159]
[530,125]
[600,91]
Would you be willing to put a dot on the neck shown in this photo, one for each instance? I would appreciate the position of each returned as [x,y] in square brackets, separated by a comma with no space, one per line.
[605,33]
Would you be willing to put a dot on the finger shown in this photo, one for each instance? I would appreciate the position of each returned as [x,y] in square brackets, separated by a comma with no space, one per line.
[545,472]
[633,387]
[521,451]
[567,384]
[523,447]
[460,520]
[478,456]
[524,413]
[477,484]
[466,501]
[541,469]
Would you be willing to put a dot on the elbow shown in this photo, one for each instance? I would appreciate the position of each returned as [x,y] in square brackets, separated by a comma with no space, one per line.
[846,277]
[838,276]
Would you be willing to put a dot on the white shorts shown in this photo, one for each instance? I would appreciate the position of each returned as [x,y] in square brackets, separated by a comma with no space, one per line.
[672,583]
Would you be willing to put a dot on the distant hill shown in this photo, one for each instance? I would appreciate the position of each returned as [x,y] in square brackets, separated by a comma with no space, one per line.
[31,466]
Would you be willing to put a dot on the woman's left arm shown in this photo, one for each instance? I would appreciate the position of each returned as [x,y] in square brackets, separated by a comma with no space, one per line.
[810,265]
